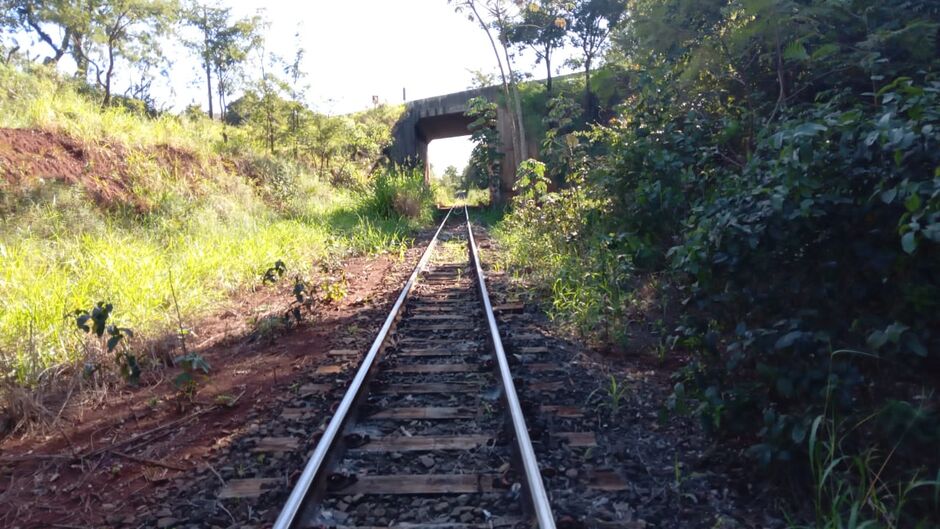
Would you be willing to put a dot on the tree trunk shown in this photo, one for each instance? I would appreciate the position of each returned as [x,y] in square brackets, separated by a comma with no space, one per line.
[108,75]
[496,196]
[588,94]
[220,88]
[63,47]
[209,87]
[59,50]
[78,54]
[502,72]
[548,71]
[516,109]
[206,56]
[781,81]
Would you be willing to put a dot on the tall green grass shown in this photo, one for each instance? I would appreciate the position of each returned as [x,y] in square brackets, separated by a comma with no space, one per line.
[206,234]
[555,246]
[448,197]
[400,192]
[63,254]
[858,487]
[39,98]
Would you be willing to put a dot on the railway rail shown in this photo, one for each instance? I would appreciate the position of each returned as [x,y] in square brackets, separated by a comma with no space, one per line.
[432,411]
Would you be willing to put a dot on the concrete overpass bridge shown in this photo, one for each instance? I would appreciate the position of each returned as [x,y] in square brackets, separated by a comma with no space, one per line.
[434,118]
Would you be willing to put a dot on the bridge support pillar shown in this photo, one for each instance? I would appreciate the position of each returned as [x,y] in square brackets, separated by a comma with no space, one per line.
[423,159]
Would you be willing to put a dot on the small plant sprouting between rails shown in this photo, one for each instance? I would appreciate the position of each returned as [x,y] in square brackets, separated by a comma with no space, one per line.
[95,322]
[616,391]
[274,273]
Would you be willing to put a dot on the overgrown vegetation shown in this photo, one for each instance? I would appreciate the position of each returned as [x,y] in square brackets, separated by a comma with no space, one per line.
[775,175]
[483,167]
[186,211]
[401,193]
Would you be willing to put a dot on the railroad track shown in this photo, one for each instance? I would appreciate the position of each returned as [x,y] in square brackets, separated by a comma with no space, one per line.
[430,415]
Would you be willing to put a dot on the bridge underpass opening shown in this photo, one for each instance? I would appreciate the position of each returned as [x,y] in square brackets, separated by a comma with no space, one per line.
[448,152]
[440,127]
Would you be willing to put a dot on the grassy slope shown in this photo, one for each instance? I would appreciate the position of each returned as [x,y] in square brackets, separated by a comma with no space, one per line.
[59,251]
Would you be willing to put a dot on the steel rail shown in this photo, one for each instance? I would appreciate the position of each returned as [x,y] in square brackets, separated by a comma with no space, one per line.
[318,460]
[537,495]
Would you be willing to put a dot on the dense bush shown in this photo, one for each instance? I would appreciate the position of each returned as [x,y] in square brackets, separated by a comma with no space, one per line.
[554,240]
[824,240]
[400,192]
[779,162]
[813,232]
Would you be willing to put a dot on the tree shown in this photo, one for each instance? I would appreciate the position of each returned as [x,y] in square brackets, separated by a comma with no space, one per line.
[543,29]
[128,29]
[36,17]
[67,18]
[451,176]
[485,158]
[222,46]
[297,92]
[234,43]
[561,147]
[208,20]
[481,79]
[591,24]
[499,18]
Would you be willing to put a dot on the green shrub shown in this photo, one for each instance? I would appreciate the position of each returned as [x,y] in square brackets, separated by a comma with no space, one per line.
[399,192]
[556,242]
[778,162]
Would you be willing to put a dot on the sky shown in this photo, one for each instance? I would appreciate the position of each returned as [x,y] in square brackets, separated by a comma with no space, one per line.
[357,49]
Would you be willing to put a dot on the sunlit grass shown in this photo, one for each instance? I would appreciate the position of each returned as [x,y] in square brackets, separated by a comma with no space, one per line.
[559,254]
[51,265]
[45,101]
[448,197]
[206,233]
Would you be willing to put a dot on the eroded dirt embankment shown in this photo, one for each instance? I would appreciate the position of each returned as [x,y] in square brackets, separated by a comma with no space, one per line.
[105,171]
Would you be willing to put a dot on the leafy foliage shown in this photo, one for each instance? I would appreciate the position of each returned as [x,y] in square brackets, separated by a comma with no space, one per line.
[222,46]
[561,148]
[193,368]
[777,162]
[400,193]
[95,322]
[303,301]
[591,24]
[272,274]
[531,182]
[334,290]
[543,28]
[485,159]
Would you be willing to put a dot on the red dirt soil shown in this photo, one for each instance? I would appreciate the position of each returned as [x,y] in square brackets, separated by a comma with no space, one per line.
[84,473]
[29,157]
